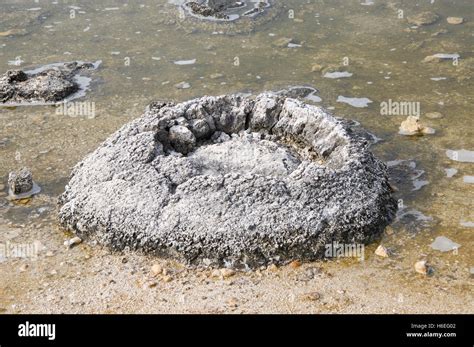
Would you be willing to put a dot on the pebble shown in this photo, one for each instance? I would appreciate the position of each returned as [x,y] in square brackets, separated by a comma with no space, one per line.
[438,57]
[422,267]
[232,302]
[72,242]
[381,251]
[431,59]
[226,273]
[216,273]
[310,274]
[455,20]
[151,284]
[156,269]
[215,76]
[283,42]
[423,18]
[272,267]
[167,279]
[313,296]
[23,267]
[439,32]
[295,264]
[316,68]
[413,126]
[49,254]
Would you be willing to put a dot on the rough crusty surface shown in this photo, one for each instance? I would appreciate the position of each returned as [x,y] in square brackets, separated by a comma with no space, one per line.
[20,182]
[224,16]
[222,9]
[230,180]
[50,84]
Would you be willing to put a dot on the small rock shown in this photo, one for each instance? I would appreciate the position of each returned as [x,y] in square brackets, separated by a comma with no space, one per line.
[295,264]
[313,296]
[283,42]
[434,115]
[423,268]
[309,274]
[72,242]
[49,254]
[182,139]
[423,18]
[216,273]
[381,251]
[215,76]
[167,279]
[455,20]
[151,284]
[431,59]
[226,273]
[413,126]
[438,57]
[316,68]
[439,32]
[156,269]
[23,267]
[272,268]
[20,182]
[232,302]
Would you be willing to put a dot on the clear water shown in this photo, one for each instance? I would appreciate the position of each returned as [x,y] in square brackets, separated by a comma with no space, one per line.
[139,43]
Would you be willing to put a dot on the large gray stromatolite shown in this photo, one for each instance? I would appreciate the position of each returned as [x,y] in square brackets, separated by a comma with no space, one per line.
[230,180]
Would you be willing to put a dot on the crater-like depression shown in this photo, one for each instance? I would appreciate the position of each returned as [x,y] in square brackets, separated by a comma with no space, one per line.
[230,180]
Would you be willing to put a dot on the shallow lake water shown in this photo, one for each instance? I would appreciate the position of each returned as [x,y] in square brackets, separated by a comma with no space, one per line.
[147,49]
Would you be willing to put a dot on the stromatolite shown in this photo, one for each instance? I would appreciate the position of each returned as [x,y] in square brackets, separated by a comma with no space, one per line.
[224,16]
[47,84]
[230,180]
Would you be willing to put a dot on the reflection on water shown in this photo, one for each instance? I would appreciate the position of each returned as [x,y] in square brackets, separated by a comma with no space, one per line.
[357,54]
